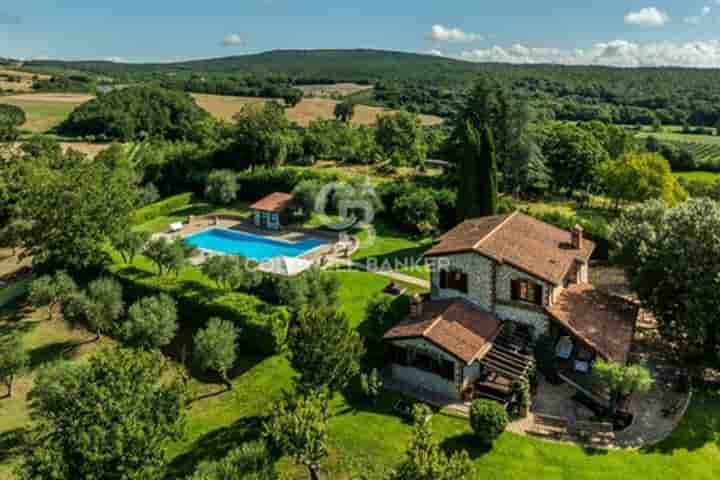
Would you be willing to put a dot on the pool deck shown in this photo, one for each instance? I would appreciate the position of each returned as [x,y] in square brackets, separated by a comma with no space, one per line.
[291,233]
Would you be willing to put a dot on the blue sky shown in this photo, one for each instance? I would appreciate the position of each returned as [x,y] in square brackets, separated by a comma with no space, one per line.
[567,31]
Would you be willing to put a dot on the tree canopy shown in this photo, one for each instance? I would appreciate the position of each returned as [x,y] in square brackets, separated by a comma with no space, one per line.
[324,349]
[73,207]
[136,113]
[111,417]
[671,256]
[636,177]
[11,118]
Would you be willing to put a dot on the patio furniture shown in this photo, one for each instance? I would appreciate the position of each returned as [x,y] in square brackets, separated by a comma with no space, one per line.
[582,367]
[564,348]
[176,227]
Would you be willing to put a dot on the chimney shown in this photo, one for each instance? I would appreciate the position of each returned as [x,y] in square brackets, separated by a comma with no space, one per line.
[577,237]
[416,306]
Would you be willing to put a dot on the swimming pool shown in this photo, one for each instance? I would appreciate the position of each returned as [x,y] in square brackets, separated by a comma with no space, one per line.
[250,246]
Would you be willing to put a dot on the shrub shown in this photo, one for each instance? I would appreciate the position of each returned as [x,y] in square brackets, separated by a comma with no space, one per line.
[417,212]
[488,420]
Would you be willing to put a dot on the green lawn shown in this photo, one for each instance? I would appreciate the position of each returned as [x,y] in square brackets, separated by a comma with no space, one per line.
[391,249]
[364,438]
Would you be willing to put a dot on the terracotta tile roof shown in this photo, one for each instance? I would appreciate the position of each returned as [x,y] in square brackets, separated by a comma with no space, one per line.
[456,326]
[606,323]
[275,202]
[528,244]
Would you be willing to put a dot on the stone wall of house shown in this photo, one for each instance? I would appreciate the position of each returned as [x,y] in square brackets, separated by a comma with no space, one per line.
[539,321]
[506,274]
[480,277]
[428,380]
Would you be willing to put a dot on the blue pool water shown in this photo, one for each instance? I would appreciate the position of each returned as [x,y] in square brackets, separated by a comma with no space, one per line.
[249,246]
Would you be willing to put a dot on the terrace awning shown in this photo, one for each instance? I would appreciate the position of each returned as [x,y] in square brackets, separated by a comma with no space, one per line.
[286,266]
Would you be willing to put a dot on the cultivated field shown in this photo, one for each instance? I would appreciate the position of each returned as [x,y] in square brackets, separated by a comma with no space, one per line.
[25,85]
[225,107]
[706,148]
[333,91]
[705,177]
[45,110]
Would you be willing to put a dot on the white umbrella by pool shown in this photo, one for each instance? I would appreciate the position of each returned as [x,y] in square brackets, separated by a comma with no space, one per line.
[286,266]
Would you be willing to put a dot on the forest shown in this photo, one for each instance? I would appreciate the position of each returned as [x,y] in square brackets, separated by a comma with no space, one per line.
[436,85]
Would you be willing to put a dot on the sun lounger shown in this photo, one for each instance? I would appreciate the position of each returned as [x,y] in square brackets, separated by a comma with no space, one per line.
[176,227]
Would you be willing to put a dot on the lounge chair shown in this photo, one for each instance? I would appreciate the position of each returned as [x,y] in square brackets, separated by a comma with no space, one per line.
[176,227]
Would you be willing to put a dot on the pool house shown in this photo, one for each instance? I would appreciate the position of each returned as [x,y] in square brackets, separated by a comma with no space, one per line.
[270,212]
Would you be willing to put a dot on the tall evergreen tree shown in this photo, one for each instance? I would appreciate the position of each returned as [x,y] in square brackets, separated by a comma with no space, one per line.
[468,153]
[488,175]
[477,172]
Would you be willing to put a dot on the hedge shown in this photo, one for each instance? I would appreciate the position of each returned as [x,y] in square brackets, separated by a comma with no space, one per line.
[258,182]
[161,208]
[264,327]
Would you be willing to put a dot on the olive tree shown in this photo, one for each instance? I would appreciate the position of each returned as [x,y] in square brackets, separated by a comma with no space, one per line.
[622,381]
[104,305]
[299,428]
[130,243]
[169,255]
[14,359]
[215,348]
[51,291]
[151,323]
[231,272]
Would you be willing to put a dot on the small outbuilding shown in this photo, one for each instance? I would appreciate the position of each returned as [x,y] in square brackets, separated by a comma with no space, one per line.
[271,212]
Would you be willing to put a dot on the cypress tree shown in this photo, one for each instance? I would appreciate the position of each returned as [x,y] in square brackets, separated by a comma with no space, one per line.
[467,153]
[488,176]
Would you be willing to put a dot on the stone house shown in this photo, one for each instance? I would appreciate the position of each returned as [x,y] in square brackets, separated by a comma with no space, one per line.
[497,283]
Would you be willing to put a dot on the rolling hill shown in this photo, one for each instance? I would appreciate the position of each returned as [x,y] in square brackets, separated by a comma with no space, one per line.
[437,85]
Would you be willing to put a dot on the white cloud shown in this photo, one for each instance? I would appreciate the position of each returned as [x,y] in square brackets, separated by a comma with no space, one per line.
[116,60]
[619,53]
[441,33]
[435,52]
[233,40]
[647,17]
[705,11]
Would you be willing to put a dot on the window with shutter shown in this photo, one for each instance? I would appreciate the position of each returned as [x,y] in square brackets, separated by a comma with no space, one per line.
[526,291]
[538,295]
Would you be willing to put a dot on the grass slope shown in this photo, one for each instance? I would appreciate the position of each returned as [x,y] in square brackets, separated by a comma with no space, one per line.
[364,439]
